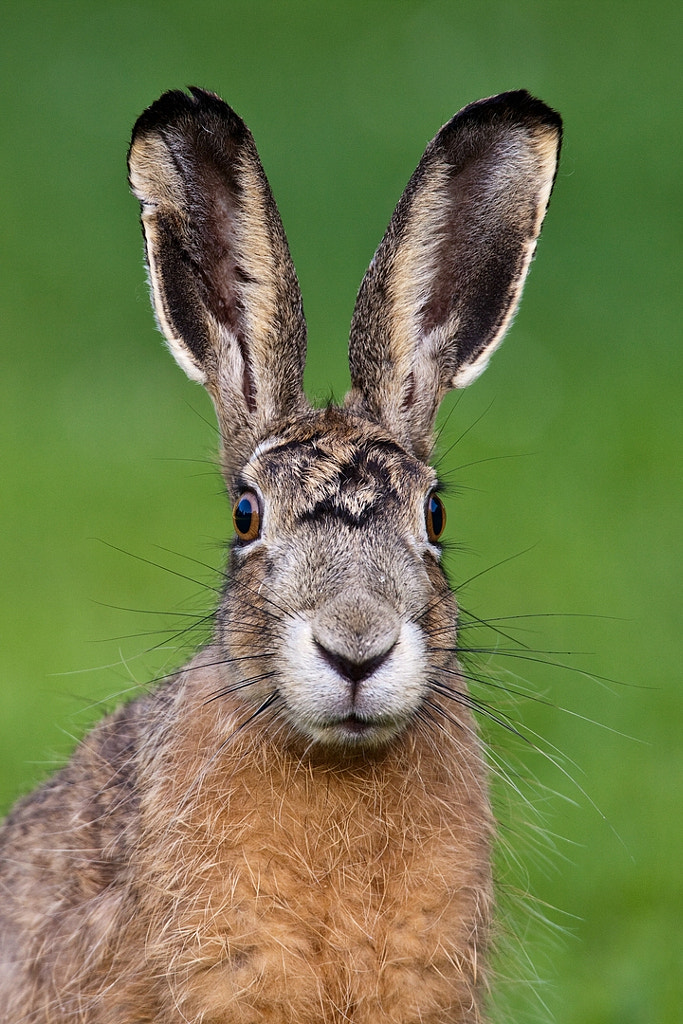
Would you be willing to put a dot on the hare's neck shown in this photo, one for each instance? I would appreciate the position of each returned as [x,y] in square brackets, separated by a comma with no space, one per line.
[218,772]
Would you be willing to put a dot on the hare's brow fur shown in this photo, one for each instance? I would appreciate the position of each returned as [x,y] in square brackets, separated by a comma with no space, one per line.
[334,460]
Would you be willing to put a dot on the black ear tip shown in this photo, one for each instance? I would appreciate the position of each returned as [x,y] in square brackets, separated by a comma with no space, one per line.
[176,106]
[517,105]
[205,101]
[169,107]
[533,109]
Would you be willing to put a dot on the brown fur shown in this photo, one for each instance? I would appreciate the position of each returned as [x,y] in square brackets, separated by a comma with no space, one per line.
[295,828]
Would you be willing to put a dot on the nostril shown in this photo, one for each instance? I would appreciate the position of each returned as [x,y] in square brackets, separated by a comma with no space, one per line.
[354,671]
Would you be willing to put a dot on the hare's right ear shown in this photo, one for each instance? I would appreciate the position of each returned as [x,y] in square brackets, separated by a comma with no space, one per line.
[223,284]
[447,277]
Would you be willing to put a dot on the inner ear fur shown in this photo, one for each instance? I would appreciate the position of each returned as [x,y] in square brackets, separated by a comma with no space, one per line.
[223,284]
[446,279]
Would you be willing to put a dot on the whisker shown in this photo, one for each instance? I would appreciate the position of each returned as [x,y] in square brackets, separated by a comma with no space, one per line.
[242,685]
[159,565]
[466,431]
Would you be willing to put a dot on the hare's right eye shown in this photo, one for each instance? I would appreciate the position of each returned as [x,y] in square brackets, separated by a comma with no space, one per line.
[435,517]
[246,516]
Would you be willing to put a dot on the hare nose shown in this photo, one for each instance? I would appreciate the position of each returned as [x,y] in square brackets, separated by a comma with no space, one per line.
[349,668]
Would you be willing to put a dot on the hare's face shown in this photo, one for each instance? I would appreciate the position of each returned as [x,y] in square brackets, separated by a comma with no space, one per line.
[339,589]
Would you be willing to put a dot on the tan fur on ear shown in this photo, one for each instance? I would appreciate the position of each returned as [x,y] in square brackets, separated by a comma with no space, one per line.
[445,282]
[223,284]
[539,151]
[153,174]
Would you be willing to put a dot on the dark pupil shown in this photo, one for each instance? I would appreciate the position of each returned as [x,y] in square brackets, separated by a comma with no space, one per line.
[436,515]
[243,514]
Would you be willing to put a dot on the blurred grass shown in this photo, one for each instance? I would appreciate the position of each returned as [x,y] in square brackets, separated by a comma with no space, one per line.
[103,440]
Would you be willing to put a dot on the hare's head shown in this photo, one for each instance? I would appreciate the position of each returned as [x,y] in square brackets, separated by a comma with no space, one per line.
[337,615]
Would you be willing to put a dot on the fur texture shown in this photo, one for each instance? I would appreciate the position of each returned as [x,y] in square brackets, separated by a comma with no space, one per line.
[296,827]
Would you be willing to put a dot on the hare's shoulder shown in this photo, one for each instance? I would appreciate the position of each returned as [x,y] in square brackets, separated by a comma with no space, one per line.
[82,815]
[66,852]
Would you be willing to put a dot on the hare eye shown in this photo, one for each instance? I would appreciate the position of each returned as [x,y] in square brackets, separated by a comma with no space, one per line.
[435,516]
[246,516]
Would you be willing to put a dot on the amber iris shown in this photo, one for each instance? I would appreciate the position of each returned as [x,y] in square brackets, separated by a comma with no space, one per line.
[246,516]
[435,516]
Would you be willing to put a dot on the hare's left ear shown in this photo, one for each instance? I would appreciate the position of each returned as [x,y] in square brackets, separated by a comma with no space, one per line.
[223,284]
[445,282]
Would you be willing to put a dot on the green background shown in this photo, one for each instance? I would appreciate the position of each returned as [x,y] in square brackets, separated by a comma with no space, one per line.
[570,457]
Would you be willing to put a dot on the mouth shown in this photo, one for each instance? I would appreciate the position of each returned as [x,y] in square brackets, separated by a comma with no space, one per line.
[356,726]
[353,730]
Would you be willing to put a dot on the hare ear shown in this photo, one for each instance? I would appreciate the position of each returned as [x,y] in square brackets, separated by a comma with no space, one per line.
[444,284]
[223,284]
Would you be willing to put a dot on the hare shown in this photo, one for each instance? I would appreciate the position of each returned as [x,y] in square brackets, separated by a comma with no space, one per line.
[295,827]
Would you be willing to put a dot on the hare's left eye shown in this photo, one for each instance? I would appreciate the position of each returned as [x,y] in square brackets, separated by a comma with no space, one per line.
[435,516]
[246,516]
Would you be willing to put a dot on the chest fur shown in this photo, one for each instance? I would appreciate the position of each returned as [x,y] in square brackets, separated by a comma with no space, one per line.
[325,895]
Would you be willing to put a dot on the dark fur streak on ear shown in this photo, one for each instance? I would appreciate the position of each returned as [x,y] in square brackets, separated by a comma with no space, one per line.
[242,276]
[248,387]
[178,287]
[409,397]
[182,275]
